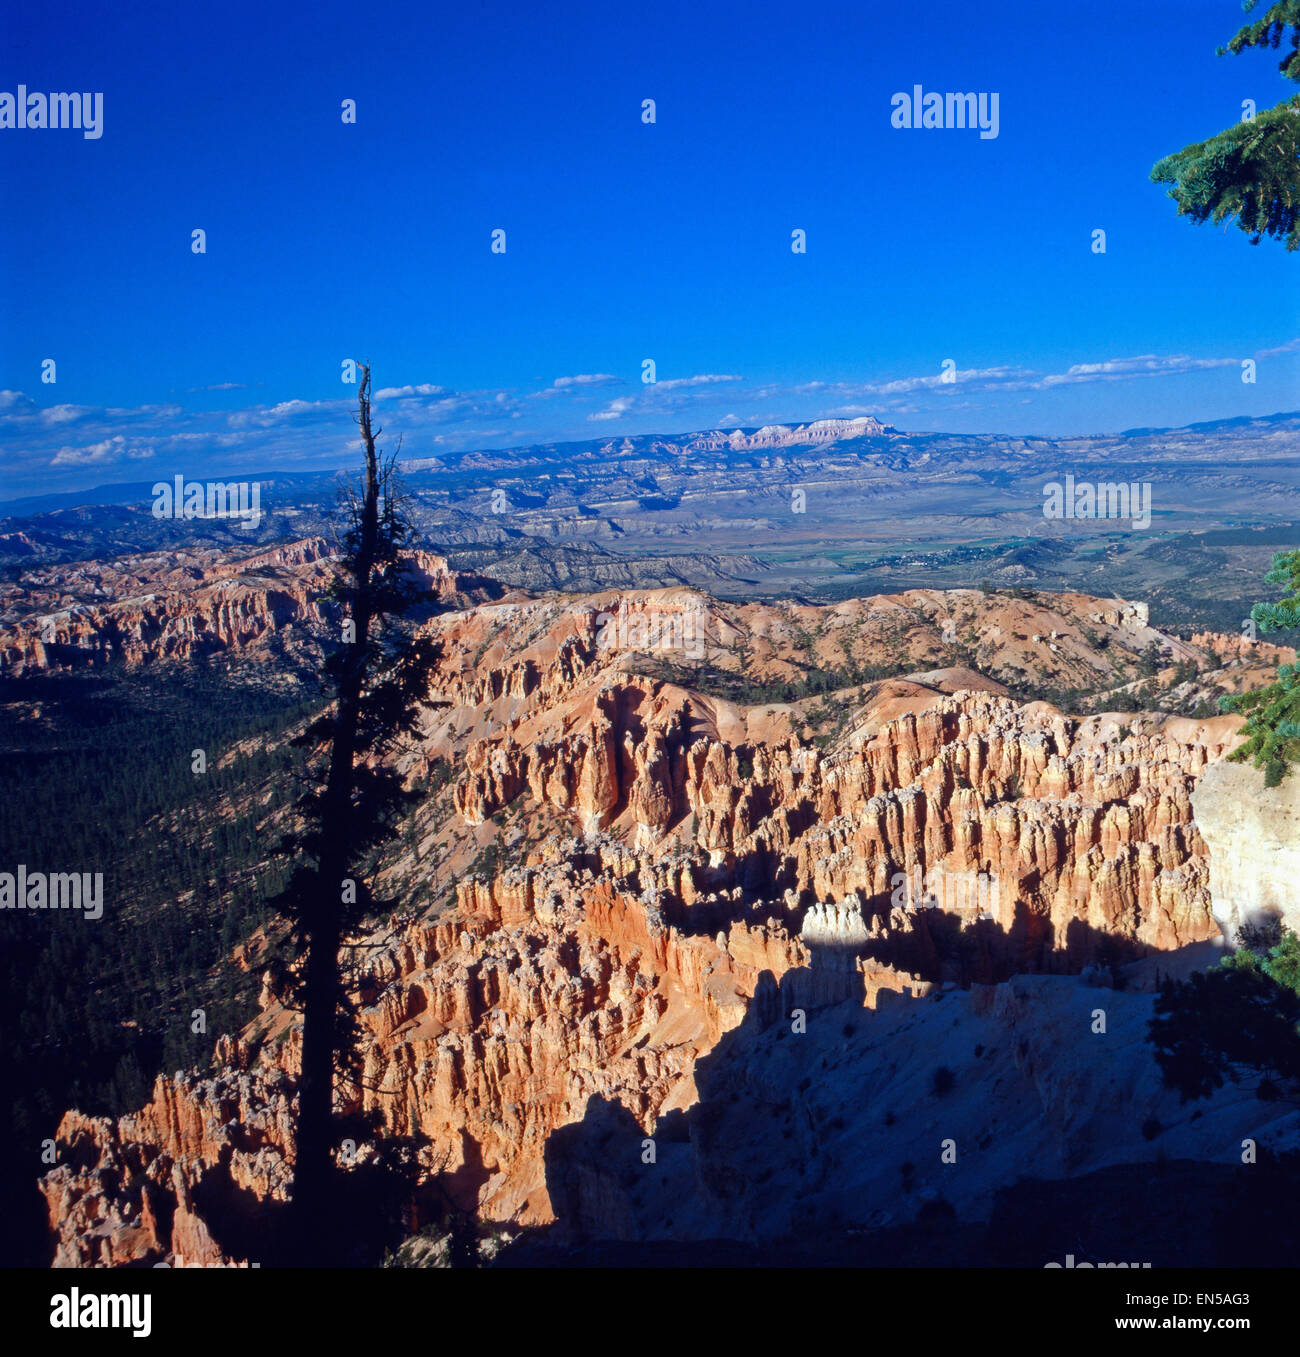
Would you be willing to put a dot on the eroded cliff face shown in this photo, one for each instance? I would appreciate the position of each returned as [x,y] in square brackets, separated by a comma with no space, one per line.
[1253,835]
[1072,824]
[672,866]
[125,1191]
[174,606]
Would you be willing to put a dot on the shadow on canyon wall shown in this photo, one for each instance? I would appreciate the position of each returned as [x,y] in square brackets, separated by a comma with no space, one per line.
[375,1206]
[944,945]
[617,1192]
[613,1208]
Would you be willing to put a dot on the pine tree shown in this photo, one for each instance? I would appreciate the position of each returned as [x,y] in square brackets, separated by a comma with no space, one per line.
[1280,961]
[378,676]
[1226,1023]
[1273,712]
[1249,173]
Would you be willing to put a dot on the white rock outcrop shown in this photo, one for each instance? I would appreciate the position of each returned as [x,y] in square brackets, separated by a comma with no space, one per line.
[1253,834]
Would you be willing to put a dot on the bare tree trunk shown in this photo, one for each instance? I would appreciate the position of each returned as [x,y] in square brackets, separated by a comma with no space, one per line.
[312,1204]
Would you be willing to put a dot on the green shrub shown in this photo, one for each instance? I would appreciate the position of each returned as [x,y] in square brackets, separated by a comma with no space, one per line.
[1272,713]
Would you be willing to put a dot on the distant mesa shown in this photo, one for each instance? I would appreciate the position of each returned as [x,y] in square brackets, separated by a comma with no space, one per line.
[786,435]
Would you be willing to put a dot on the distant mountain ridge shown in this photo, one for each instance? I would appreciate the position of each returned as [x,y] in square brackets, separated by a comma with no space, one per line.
[787,436]
[815,433]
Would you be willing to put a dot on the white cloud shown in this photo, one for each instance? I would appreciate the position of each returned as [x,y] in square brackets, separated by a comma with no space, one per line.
[935,380]
[285,413]
[1121,369]
[115,449]
[65,414]
[1290,346]
[616,409]
[707,379]
[395,393]
[585,379]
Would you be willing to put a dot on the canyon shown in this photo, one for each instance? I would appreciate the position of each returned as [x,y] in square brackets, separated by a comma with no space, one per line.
[178,606]
[647,905]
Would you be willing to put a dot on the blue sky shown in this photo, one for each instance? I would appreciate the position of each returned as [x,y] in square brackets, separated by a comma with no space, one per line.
[624,241]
